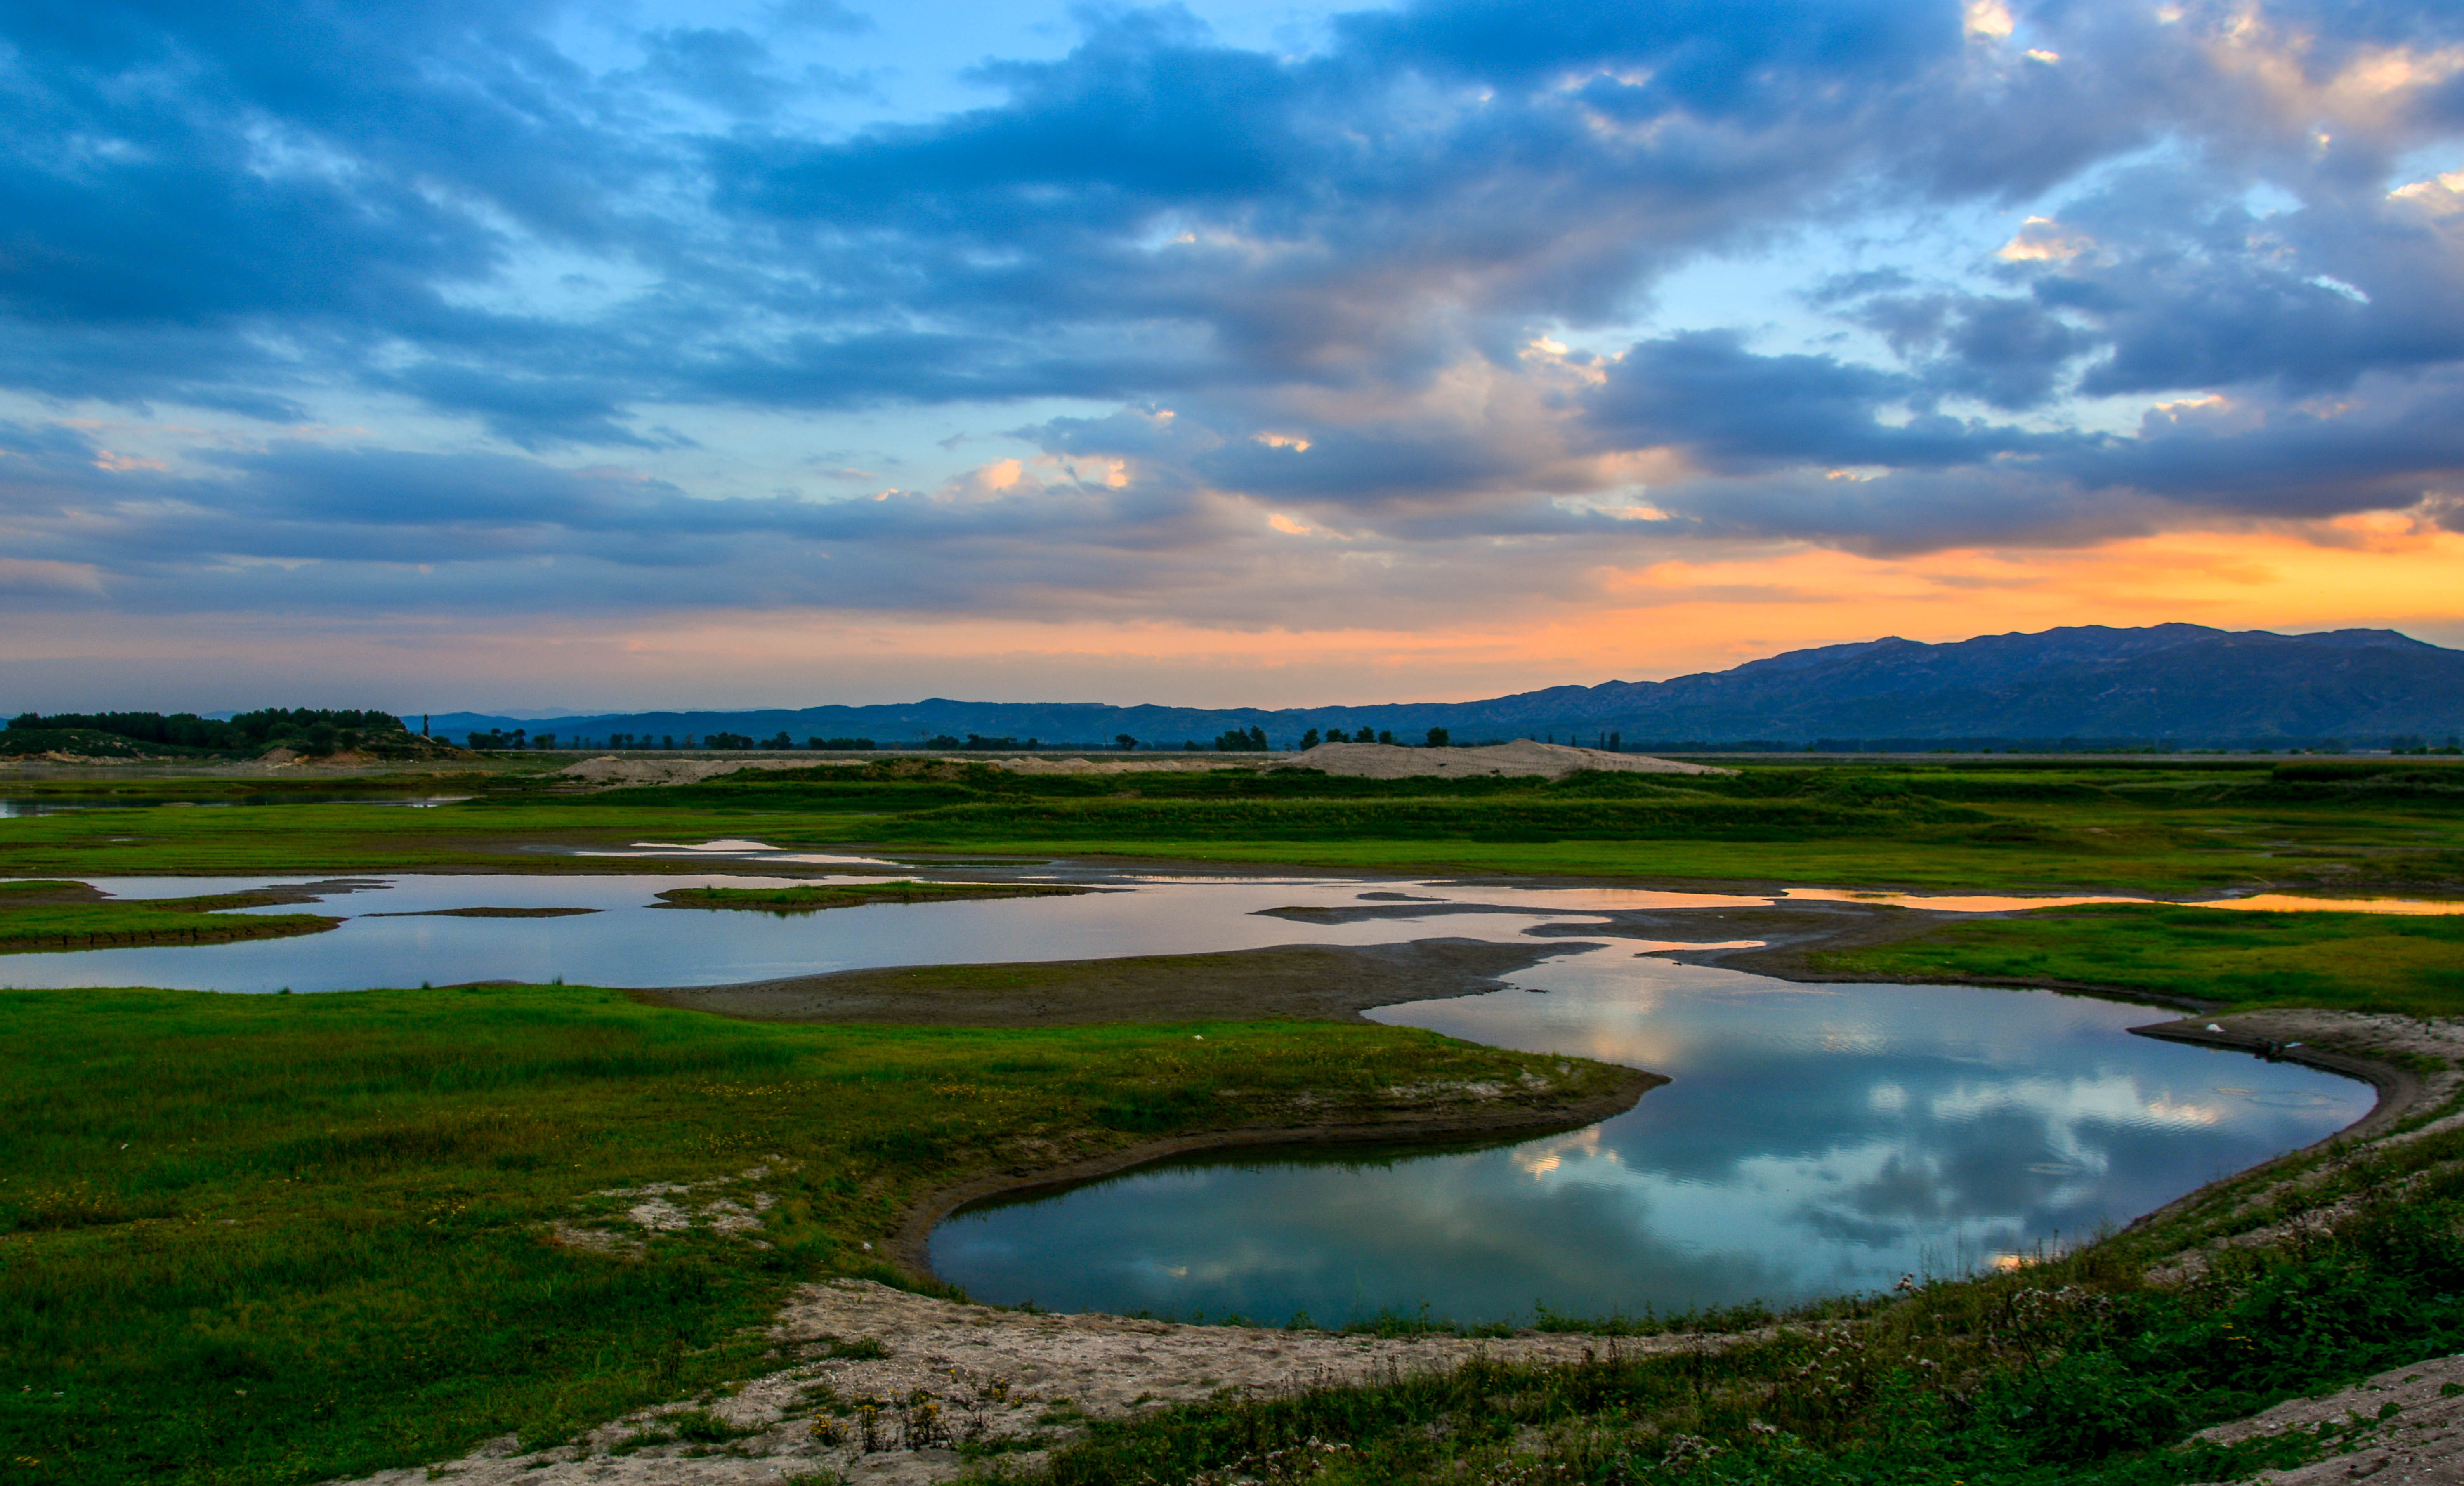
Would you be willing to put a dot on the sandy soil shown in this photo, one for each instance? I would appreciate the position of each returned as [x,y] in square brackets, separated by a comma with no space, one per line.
[1522,756]
[611,770]
[1332,981]
[986,1375]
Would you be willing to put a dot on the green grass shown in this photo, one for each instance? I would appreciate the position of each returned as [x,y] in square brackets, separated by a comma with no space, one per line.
[48,916]
[283,1238]
[854,895]
[2360,962]
[2145,828]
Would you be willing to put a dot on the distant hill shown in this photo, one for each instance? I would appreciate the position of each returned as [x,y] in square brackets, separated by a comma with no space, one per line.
[2185,684]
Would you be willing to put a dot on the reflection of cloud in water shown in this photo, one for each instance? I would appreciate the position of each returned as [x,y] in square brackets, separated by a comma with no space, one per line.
[1813,1141]
[2108,1095]
[1544,1157]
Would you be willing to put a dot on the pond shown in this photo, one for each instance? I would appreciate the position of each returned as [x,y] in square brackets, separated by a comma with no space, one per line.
[1815,1139]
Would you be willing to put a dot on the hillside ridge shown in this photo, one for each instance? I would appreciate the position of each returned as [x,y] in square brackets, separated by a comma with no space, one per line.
[2189,684]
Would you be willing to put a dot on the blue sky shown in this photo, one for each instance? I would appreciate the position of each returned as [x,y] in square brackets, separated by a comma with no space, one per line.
[443,354]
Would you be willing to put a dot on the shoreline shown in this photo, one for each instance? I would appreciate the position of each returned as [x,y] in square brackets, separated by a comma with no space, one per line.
[910,1245]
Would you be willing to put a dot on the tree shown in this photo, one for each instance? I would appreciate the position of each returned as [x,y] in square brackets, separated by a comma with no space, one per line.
[1124,742]
[1308,740]
[1337,735]
[1384,735]
[1617,742]
[1437,737]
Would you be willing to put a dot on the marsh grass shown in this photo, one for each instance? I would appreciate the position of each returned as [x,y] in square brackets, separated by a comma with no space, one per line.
[283,1238]
[2351,961]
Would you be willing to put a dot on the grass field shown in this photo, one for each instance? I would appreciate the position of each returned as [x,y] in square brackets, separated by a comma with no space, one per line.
[2148,829]
[2349,961]
[280,1239]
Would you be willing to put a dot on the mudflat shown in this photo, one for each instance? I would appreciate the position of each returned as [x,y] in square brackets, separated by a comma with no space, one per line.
[1336,982]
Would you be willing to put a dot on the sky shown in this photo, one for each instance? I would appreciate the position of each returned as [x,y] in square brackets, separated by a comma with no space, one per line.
[532,355]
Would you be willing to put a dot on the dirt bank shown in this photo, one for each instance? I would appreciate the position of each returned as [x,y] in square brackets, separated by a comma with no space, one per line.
[2407,1422]
[1336,982]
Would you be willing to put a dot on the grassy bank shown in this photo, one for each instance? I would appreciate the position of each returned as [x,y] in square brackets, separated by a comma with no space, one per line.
[2348,961]
[280,1238]
[51,916]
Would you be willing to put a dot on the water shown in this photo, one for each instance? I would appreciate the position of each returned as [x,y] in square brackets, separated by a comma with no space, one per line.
[17,807]
[1816,1141]
[632,942]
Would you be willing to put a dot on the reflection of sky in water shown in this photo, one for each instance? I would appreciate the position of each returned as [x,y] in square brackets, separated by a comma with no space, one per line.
[2264,903]
[631,943]
[1817,1140]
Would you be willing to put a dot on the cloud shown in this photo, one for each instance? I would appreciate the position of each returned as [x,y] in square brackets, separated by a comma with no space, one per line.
[1407,295]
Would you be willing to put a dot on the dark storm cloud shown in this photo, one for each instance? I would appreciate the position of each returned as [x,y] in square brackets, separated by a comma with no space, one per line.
[257,207]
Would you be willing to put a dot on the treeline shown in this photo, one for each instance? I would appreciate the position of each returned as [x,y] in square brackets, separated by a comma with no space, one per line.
[314,732]
[496,740]
[2399,743]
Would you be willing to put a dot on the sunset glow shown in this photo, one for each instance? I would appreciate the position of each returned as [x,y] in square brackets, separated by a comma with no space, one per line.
[1222,354]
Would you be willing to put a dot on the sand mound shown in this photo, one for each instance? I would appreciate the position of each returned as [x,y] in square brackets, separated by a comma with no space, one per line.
[1184,763]
[608,769]
[1522,756]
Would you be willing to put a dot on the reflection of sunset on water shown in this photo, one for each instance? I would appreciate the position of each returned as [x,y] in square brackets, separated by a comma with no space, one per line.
[1541,1157]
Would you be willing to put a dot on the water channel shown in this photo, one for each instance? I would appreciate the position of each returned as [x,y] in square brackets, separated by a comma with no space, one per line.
[1815,1139]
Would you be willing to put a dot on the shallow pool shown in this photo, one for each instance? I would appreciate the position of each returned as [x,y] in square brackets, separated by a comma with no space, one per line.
[1816,1140]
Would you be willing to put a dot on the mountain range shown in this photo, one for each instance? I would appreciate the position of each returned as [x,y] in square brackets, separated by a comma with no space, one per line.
[2185,684]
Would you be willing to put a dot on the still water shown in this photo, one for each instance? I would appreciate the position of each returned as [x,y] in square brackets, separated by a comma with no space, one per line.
[1817,1140]
[632,940]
